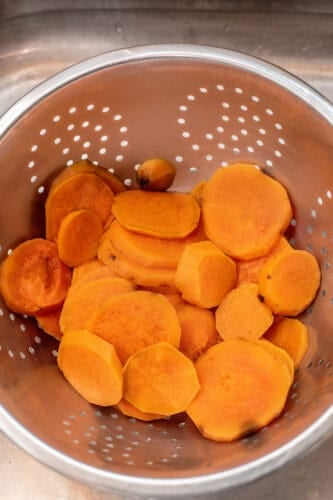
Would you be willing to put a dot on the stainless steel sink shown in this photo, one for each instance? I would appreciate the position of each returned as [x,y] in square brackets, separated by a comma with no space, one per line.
[40,37]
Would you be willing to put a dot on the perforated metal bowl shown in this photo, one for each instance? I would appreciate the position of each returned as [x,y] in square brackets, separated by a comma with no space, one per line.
[201,108]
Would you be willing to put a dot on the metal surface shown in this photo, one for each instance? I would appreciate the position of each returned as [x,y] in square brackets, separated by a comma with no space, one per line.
[22,70]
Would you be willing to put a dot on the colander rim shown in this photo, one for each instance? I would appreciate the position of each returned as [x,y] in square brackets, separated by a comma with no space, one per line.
[172,487]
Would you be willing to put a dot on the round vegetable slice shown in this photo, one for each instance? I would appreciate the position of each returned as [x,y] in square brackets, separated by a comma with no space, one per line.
[289,282]
[33,279]
[78,237]
[76,192]
[245,211]
[136,320]
[92,367]
[160,379]
[155,174]
[243,388]
[205,274]
[242,314]
[165,215]
[292,336]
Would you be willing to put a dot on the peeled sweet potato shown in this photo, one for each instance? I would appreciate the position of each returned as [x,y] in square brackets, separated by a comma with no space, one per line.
[160,379]
[289,281]
[157,214]
[87,167]
[245,211]
[205,274]
[33,279]
[78,237]
[150,251]
[78,191]
[140,275]
[291,335]
[92,367]
[242,314]
[134,320]
[83,299]
[243,388]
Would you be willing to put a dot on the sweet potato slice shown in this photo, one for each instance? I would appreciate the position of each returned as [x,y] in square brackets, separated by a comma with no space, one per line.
[91,271]
[150,251]
[87,167]
[129,410]
[197,191]
[292,336]
[78,238]
[248,271]
[92,367]
[33,279]
[160,379]
[289,282]
[241,314]
[164,215]
[136,320]
[205,274]
[83,299]
[278,354]
[198,330]
[243,388]
[140,275]
[49,323]
[245,211]
[77,192]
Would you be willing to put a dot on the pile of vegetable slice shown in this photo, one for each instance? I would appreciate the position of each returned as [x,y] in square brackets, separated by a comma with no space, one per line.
[167,302]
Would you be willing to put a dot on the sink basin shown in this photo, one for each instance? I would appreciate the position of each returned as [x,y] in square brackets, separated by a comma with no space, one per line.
[41,37]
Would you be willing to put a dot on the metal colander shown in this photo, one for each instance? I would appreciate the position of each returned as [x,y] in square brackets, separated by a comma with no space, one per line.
[201,108]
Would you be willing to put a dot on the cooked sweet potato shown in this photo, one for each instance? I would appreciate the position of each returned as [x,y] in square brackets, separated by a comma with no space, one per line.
[155,174]
[33,279]
[136,320]
[205,274]
[77,192]
[78,238]
[198,330]
[87,167]
[197,191]
[160,379]
[91,271]
[243,388]
[157,214]
[278,354]
[292,336]
[150,251]
[49,323]
[248,271]
[129,410]
[140,275]
[92,367]
[245,211]
[83,299]
[289,281]
[241,314]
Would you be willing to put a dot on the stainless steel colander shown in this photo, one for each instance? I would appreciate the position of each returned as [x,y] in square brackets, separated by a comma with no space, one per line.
[201,108]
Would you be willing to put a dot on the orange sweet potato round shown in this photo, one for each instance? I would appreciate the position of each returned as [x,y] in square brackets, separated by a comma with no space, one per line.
[243,388]
[78,191]
[33,279]
[245,211]
[134,320]
[160,379]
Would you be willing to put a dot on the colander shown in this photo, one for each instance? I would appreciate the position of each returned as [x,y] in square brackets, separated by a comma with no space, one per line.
[201,108]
